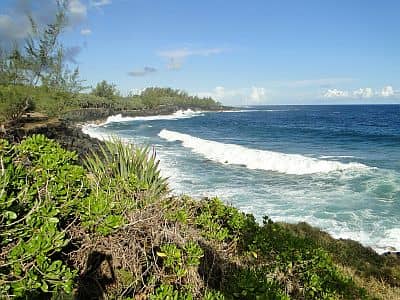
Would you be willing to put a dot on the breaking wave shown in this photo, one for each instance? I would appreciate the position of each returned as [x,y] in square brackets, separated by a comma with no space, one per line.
[180,114]
[94,130]
[257,159]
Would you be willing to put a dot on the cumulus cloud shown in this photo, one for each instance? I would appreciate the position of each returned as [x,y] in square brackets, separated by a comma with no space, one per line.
[143,72]
[257,94]
[176,57]
[335,93]
[361,93]
[387,91]
[15,25]
[77,12]
[253,95]
[86,31]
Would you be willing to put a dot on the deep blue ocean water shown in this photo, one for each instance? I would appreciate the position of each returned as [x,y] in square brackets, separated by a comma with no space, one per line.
[336,167]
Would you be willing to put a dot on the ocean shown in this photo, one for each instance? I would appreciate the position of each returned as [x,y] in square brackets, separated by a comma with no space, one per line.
[335,167]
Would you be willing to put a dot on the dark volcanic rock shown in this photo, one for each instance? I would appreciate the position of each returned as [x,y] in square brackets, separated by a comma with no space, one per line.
[65,133]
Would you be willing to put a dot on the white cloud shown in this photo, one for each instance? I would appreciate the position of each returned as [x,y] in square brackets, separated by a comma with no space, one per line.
[220,93]
[327,82]
[363,93]
[77,11]
[257,94]
[176,57]
[387,91]
[15,25]
[253,95]
[86,31]
[335,93]
[99,3]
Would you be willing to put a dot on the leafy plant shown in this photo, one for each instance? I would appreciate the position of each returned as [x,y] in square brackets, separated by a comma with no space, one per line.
[134,169]
[14,102]
[221,222]
[168,292]
[40,190]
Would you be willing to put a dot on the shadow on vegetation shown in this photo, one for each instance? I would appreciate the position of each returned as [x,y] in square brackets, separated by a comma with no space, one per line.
[99,273]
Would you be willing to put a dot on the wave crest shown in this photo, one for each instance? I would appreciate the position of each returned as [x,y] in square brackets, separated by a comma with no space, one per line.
[180,114]
[257,159]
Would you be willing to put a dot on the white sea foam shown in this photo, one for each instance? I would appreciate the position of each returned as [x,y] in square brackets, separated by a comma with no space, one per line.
[336,156]
[94,130]
[391,239]
[180,114]
[257,159]
[252,110]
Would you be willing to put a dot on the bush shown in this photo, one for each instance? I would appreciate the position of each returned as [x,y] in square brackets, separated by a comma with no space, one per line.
[40,190]
[14,102]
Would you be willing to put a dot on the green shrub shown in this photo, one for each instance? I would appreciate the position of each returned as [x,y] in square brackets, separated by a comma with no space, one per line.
[254,284]
[14,102]
[178,261]
[168,292]
[222,222]
[41,188]
[128,169]
[122,177]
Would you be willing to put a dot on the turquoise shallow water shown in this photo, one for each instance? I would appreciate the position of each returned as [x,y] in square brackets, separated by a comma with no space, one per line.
[336,167]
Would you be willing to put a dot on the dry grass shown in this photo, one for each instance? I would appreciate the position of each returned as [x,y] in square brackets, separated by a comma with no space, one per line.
[378,289]
[121,263]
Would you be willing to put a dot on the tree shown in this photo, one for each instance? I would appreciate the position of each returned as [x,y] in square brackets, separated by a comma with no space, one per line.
[41,60]
[105,90]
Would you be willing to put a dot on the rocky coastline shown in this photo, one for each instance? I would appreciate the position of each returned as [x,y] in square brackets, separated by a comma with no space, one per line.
[67,131]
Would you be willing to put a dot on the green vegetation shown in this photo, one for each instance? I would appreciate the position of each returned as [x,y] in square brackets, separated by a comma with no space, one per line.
[36,76]
[109,229]
[106,228]
[41,190]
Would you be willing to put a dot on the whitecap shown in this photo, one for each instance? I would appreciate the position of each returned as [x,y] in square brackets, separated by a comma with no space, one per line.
[257,159]
[180,114]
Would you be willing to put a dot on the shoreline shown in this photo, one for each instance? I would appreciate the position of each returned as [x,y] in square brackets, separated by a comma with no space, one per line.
[389,250]
[70,134]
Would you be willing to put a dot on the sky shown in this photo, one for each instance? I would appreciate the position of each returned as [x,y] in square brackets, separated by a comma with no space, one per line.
[238,52]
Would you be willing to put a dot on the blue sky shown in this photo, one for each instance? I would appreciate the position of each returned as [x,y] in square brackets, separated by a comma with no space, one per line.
[239,52]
